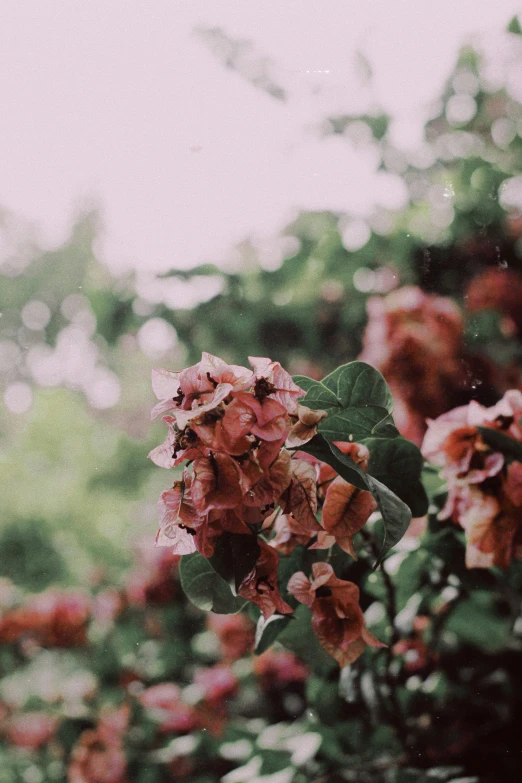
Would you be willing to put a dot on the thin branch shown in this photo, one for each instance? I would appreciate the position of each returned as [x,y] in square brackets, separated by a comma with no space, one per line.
[390,680]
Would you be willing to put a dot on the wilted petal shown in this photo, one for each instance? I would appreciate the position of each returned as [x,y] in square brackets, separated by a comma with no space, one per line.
[211,432]
[175,505]
[260,585]
[251,472]
[268,452]
[165,406]
[324,541]
[490,532]
[163,455]
[216,483]
[230,520]
[346,510]
[370,639]
[322,573]
[208,532]
[477,521]
[337,619]
[288,534]
[301,495]
[356,451]
[305,427]
[493,464]
[271,421]
[238,419]
[176,513]
[336,634]
[272,484]
[299,586]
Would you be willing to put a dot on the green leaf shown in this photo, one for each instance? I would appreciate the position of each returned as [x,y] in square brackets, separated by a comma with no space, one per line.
[499,441]
[398,464]
[205,588]
[234,557]
[478,622]
[267,631]
[357,399]
[514,26]
[355,383]
[358,423]
[396,516]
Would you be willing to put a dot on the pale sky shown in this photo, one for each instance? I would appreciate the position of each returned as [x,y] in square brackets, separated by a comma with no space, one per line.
[121,103]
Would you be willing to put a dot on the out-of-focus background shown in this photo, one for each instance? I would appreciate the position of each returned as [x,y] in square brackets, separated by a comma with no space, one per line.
[311,184]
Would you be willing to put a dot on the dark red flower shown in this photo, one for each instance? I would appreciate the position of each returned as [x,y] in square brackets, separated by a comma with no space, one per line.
[337,618]
[260,585]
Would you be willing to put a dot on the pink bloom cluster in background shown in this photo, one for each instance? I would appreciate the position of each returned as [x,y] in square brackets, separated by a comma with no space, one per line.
[100,752]
[230,425]
[55,618]
[484,488]
[417,341]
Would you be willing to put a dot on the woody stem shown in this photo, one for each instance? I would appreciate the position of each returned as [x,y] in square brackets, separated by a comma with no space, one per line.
[390,605]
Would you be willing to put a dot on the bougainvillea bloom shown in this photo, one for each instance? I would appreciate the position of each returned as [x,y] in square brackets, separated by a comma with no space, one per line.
[230,424]
[305,427]
[153,580]
[337,618]
[272,379]
[346,510]
[54,618]
[260,585]
[99,755]
[30,730]
[279,668]
[416,340]
[484,487]
[235,633]
[217,684]
[164,705]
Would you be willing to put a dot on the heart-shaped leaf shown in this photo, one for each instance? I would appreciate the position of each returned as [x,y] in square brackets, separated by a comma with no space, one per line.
[398,464]
[357,399]
[205,588]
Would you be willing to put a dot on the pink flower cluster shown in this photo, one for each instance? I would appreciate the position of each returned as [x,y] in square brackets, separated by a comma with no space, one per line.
[231,425]
[484,489]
